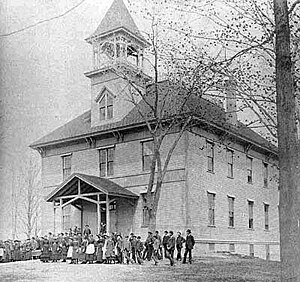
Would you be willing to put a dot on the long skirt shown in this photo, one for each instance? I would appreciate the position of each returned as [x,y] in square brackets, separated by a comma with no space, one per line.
[82,255]
[64,253]
[75,253]
[99,254]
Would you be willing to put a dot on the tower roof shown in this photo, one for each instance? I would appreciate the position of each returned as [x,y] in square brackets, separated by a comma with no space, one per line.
[117,17]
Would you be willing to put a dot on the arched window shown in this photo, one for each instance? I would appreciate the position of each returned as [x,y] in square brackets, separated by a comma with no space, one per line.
[106,105]
[108,48]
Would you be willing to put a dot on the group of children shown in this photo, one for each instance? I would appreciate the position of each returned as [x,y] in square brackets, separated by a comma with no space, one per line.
[82,247]
[16,250]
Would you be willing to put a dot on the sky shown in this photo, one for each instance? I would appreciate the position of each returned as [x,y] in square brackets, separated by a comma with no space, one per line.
[42,82]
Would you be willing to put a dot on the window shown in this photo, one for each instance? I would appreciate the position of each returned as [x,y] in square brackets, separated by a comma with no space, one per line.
[266,174]
[66,218]
[210,156]
[249,170]
[251,250]
[266,210]
[230,163]
[211,208]
[231,211]
[106,106]
[147,154]
[250,211]
[267,252]
[211,247]
[113,205]
[106,161]
[145,222]
[231,248]
[66,166]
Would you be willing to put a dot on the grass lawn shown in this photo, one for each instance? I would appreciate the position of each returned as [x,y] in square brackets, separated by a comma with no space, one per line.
[215,268]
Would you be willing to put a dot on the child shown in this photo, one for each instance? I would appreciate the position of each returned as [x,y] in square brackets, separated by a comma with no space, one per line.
[156,245]
[139,250]
[90,249]
[1,251]
[99,249]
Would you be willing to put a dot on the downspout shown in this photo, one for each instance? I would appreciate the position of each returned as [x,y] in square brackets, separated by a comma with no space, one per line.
[185,197]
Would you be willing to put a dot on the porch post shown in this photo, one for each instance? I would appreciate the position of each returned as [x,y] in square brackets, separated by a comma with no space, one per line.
[61,215]
[107,216]
[98,214]
[79,188]
[54,216]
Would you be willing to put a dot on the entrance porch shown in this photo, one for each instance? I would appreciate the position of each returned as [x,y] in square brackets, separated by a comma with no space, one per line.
[84,199]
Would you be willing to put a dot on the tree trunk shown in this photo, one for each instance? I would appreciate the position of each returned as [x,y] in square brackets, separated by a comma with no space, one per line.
[288,149]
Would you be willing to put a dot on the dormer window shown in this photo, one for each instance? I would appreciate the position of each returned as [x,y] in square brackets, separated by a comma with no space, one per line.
[106,105]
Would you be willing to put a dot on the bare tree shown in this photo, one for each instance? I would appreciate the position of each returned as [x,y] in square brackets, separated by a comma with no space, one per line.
[29,199]
[256,44]
[169,106]
[288,146]
[260,42]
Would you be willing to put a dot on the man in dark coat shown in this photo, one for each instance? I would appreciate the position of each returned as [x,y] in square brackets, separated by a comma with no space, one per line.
[171,248]
[165,242]
[87,232]
[189,245]
[179,243]
[133,242]
[148,247]
[139,250]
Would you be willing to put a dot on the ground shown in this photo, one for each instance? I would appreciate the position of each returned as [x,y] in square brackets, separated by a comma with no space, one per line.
[207,269]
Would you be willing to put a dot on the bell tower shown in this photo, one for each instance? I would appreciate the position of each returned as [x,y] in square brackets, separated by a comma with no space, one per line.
[118,52]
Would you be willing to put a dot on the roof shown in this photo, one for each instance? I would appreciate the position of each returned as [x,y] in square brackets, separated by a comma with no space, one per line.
[202,109]
[117,17]
[99,184]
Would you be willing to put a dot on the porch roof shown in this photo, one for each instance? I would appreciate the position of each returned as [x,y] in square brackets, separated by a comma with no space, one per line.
[90,183]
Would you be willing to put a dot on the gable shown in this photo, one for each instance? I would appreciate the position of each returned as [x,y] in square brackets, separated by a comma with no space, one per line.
[103,92]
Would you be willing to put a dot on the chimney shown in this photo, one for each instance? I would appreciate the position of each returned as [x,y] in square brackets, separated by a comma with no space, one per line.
[231,108]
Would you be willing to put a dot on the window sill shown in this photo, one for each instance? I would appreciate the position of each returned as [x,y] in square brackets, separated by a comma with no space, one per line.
[230,177]
[212,172]
[144,226]
[251,229]
[251,183]
[213,226]
[231,227]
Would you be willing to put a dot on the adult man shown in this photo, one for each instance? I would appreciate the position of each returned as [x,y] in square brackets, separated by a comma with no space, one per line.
[160,255]
[148,247]
[171,248]
[139,249]
[133,242]
[189,245]
[87,232]
[179,243]
[165,242]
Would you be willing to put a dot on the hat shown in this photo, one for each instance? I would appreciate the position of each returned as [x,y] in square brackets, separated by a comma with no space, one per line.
[188,230]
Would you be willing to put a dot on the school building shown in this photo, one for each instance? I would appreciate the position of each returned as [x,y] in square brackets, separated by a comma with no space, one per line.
[221,181]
